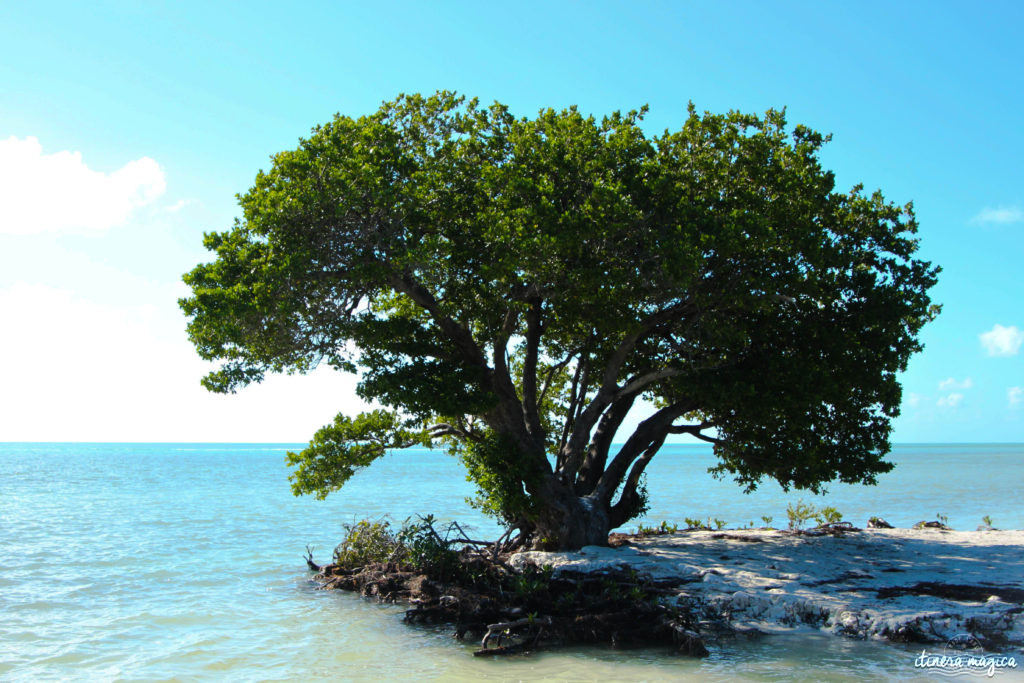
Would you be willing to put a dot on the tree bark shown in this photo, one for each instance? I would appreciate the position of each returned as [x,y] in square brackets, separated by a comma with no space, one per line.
[569,522]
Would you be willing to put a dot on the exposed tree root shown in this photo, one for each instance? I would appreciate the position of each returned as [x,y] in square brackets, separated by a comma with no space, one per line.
[517,612]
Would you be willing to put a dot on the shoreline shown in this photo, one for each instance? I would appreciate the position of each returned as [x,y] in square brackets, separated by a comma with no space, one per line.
[901,585]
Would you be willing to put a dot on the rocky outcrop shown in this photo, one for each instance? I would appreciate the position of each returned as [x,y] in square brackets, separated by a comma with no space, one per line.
[902,585]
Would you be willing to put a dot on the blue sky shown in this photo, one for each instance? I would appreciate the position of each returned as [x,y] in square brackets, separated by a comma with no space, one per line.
[127,128]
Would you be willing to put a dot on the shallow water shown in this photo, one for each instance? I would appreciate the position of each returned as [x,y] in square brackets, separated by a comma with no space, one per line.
[184,561]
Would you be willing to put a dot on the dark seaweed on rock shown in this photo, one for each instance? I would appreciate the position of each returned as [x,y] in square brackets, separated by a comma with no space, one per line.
[524,611]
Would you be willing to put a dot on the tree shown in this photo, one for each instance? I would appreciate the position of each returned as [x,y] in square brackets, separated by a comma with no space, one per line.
[511,288]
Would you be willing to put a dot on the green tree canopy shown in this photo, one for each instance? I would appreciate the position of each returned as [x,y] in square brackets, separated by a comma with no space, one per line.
[511,288]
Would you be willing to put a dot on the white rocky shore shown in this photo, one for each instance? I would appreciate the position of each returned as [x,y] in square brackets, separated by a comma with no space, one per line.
[905,585]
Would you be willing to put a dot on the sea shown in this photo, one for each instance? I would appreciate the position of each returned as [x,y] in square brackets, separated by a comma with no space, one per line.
[185,561]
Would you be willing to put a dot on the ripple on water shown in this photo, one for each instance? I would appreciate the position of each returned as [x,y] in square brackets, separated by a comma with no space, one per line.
[148,562]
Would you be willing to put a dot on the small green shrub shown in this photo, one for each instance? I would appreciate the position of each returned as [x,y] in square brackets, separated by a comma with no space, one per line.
[366,542]
[799,514]
[424,549]
[532,580]
[767,519]
[802,512]
[663,528]
[828,515]
[415,545]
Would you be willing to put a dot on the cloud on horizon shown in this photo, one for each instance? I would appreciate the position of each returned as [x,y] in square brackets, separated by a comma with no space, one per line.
[42,193]
[85,370]
[1000,215]
[1002,341]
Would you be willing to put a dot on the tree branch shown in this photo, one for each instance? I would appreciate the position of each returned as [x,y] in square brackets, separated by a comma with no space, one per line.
[508,414]
[647,432]
[629,500]
[458,334]
[572,460]
[634,387]
[580,379]
[530,398]
[444,429]
[609,381]
[597,453]
[695,430]
[550,374]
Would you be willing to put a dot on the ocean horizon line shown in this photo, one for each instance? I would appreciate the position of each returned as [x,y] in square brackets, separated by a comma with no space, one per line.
[300,443]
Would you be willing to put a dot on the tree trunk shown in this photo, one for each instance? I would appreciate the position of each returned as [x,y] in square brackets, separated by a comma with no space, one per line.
[571,523]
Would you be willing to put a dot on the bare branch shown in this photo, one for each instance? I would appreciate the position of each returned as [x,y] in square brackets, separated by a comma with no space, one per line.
[609,381]
[444,429]
[550,374]
[647,432]
[597,452]
[709,439]
[571,460]
[455,332]
[578,390]
[630,497]
[530,399]
[635,386]
[696,431]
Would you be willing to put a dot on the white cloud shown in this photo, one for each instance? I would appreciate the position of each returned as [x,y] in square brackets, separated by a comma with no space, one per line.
[913,400]
[1002,214]
[80,370]
[1002,341]
[178,206]
[56,192]
[950,383]
[950,401]
[1015,396]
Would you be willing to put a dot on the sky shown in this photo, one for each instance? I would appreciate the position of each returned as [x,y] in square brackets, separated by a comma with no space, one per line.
[126,129]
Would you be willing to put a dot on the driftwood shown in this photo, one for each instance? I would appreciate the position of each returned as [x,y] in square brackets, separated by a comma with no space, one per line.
[504,629]
[830,529]
[309,559]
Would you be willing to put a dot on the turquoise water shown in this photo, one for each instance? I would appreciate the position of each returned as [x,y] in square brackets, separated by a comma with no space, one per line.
[184,561]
